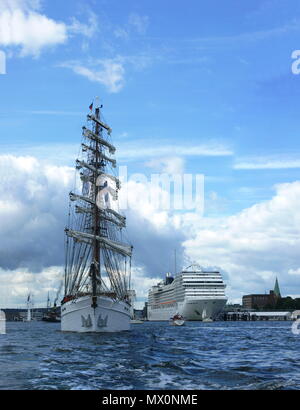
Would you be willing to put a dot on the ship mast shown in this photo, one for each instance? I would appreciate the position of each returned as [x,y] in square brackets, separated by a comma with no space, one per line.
[94,229]
[29,306]
[95,266]
[48,302]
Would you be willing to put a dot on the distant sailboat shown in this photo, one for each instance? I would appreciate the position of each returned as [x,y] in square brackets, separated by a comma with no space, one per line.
[206,318]
[48,302]
[52,314]
[2,323]
[29,308]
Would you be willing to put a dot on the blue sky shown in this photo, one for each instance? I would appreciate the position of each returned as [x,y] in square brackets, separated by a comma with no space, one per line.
[210,80]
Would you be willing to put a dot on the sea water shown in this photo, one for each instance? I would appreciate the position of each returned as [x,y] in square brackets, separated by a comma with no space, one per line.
[217,355]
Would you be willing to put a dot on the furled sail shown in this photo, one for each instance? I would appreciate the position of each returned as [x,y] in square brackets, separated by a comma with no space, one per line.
[74,197]
[108,214]
[89,134]
[88,238]
[102,156]
[101,123]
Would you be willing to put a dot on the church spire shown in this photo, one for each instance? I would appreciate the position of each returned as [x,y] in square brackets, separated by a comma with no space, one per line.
[276,289]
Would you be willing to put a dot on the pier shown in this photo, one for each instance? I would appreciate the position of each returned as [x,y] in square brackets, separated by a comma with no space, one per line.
[253,316]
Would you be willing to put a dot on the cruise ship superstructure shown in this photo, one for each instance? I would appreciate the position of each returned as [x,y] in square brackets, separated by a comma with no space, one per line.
[195,293]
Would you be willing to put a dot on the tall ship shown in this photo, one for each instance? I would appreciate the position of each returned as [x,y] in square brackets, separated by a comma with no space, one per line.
[195,294]
[97,259]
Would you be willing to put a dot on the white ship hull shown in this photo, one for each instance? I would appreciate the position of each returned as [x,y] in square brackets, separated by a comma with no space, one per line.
[190,309]
[194,293]
[109,316]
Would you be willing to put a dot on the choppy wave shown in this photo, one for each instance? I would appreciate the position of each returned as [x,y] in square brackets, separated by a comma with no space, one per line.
[219,355]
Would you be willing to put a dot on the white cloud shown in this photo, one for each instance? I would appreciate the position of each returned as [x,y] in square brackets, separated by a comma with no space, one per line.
[137,62]
[21,25]
[246,37]
[33,204]
[146,149]
[55,154]
[214,204]
[267,163]
[141,283]
[294,271]
[169,165]
[15,285]
[148,202]
[109,73]
[26,5]
[88,29]
[33,214]
[136,24]
[253,246]
[162,157]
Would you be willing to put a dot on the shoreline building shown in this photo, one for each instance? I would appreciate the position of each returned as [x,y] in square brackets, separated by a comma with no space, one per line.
[261,301]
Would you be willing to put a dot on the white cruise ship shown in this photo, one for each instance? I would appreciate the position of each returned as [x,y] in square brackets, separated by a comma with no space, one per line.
[195,293]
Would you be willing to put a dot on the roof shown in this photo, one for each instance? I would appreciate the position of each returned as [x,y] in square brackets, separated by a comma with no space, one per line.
[270,313]
[257,294]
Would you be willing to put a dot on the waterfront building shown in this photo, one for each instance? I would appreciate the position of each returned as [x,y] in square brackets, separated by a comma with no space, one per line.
[261,301]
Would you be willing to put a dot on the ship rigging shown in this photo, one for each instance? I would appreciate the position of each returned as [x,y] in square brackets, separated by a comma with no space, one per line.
[98,259]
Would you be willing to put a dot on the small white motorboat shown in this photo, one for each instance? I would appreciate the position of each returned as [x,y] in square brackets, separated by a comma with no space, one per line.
[177,320]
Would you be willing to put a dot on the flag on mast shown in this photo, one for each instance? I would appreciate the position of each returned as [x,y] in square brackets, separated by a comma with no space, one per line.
[91,107]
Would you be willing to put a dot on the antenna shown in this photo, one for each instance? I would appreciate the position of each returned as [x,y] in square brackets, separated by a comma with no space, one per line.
[175,262]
